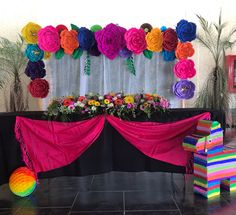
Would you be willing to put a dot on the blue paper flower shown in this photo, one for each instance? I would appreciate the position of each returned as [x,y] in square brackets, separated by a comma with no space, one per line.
[86,38]
[34,53]
[168,55]
[184,89]
[163,28]
[186,31]
[35,69]
[125,53]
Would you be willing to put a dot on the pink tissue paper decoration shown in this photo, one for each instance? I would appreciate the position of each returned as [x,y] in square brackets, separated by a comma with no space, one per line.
[184,69]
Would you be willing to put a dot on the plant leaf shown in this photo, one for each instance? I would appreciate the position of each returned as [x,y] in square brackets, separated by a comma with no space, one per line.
[74,27]
[59,54]
[77,53]
[148,54]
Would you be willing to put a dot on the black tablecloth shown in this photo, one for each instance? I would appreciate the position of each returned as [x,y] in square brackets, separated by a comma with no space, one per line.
[110,152]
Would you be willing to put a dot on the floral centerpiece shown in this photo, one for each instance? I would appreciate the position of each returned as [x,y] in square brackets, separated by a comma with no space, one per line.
[117,104]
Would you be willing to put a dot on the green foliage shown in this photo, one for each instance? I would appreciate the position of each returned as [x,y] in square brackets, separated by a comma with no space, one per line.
[148,54]
[216,39]
[130,65]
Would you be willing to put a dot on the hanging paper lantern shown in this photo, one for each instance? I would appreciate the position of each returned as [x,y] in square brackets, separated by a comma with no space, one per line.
[22,182]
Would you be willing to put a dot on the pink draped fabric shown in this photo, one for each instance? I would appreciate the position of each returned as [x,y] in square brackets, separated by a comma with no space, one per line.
[48,145]
[161,141]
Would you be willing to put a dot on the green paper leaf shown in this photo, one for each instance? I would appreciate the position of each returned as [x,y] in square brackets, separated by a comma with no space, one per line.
[87,65]
[74,27]
[95,28]
[148,54]
[130,65]
[77,53]
[59,54]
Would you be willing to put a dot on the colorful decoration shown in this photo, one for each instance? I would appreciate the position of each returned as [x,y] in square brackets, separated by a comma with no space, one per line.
[154,40]
[22,182]
[184,69]
[213,165]
[170,39]
[184,50]
[69,41]
[30,33]
[146,27]
[186,31]
[35,70]
[38,88]
[117,104]
[86,38]
[184,89]
[34,53]
[168,56]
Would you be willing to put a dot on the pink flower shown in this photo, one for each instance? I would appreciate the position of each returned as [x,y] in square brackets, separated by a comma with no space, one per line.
[48,39]
[110,40]
[164,103]
[71,107]
[129,105]
[184,69]
[135,40]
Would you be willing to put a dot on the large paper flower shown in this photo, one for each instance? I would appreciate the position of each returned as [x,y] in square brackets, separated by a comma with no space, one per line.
[34,53]
[35,70]
[184,89]
[184,69]
[168,56]
[135,40]
[38,88]
[30,32]
[154,40]
[86,38]
[48,39]
[69,41]
[110,40]
[60,28]
[170,39]
[186,31]
[184,50]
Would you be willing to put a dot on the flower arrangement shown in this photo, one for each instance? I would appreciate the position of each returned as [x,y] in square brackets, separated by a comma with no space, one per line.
[117,104]
[112,41]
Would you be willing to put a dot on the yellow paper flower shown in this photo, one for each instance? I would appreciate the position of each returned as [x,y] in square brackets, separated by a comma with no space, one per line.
[154,40]
[97,103]
[47,55]
[106,101]
[129,99]
[30,32]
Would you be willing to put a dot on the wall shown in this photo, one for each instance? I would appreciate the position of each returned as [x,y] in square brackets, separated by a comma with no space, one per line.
[126,13]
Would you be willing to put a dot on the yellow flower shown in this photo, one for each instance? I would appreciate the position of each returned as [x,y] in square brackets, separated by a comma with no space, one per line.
[154,40]
[145,104]
[90,102]
[70,97]
[129,99]
[106,101]
[97,103]
[30,32]
[47,55]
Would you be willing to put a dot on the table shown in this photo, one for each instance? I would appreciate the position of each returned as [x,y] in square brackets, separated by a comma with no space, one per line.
[110,152]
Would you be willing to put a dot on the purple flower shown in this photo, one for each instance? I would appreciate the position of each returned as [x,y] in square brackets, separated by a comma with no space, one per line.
[35,69]
[184,89]
[141,107]
[110,40]
[125,53]
[86,38]
[129,105]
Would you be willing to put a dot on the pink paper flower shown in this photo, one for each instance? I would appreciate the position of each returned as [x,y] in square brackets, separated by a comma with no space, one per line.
[184,69]
[110,40]
[135,40]
[48,39]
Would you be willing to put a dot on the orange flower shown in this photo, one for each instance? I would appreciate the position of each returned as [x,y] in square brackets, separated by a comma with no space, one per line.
[154,40]
[184,50]
[69,41]
[66,102]
[118,102]
[81,98]
[91,102]
[97,103]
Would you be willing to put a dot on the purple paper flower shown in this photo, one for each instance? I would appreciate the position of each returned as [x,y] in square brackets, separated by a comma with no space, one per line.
[35,69]
[125,53]
[184,89]
[94,50]
[110,40]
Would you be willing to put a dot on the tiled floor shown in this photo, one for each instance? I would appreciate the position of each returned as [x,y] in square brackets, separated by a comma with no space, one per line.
[116,194]
[119,193]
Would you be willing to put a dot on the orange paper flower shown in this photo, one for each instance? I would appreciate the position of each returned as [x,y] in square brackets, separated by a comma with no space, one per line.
[154,40]
[184,50]
[69,41]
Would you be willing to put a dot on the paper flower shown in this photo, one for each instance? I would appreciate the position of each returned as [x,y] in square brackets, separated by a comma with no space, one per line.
[163,28]
[110,40]
[170,39]
[33,52]
[154,40]
[30,32]
[35,70]
[184,89]
[86,38]
[184,69]
[146,27]
[94,49]
[184,50]
[186,31]
[38,88]
[125,53]
[69,41]
[60,28]
[135,40]
[48,39]
[47,55]
[168,55]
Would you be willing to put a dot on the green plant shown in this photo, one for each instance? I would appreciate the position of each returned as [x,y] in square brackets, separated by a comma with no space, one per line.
[12,65]
[215,38]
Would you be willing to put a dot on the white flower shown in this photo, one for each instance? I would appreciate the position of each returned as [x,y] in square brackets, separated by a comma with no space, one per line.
[114,98]
[93,108]
[81,104]
[71,107]
[110,105]
[100,97]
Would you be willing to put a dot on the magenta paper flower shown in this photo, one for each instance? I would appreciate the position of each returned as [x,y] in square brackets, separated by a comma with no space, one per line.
[135,40]
[48,39]
[184,69]
[110,40]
